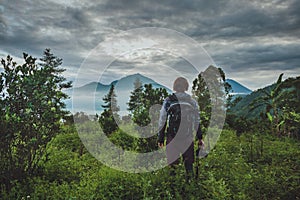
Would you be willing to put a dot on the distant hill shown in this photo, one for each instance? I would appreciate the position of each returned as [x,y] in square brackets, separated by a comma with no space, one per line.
[242,108]
[237,88]
[123,88]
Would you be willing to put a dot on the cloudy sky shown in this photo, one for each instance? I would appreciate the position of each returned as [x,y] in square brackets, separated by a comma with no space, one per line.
[253,41]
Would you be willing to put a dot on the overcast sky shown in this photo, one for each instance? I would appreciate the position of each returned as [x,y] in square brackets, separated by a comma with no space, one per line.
[253,41]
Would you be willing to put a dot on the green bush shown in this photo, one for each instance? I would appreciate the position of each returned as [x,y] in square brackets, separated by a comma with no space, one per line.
[251,166]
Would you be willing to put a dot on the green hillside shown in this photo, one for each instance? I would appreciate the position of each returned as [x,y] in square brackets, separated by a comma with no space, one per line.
[244,107]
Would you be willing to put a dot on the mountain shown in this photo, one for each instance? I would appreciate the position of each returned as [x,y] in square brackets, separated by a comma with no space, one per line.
[237,88]
[123,88]
[96,90]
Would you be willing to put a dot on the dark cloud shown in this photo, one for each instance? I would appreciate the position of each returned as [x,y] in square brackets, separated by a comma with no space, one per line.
[74,18]
[124,64]
[267,57]
[234,32]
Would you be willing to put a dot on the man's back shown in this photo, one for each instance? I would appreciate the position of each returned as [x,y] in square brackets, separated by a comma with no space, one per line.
[181,111]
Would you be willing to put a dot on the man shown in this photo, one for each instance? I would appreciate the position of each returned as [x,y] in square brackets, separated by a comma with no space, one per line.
[180,126]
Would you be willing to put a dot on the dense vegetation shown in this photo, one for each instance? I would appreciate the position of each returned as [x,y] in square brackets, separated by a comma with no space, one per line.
[31,108]
[42,156]
[274,107]
[252,166]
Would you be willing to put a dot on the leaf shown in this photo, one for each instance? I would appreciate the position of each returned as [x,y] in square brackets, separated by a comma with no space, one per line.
[279,78]
[33,140]
[281,123]
[270,117]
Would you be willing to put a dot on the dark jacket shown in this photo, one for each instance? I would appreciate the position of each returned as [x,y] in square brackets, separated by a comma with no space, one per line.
[181,96]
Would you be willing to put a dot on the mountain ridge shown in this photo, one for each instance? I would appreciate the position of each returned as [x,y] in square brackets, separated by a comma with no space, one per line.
[123,88]
[238,88]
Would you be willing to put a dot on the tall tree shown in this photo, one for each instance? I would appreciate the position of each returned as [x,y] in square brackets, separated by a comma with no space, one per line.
[227,87]
[136,104]
[32,104]
[141,101]
[211,81]
[201,94]
[110,114]
[149,118]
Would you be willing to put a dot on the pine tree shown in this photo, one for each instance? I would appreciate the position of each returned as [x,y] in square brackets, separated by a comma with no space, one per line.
[135,104]
[110,114]
[141,100]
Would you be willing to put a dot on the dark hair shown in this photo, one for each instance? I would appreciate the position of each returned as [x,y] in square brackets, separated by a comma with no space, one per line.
[180,85]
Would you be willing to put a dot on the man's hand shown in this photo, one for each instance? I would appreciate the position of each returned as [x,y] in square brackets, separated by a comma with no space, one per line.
[160,144]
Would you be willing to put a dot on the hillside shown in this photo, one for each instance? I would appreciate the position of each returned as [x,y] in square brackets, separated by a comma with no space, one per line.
[243,108]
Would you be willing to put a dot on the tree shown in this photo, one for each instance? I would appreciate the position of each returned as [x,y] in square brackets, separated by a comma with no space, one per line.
[109,116]
[141,101]
[271,101]
[135,104]
[201,94]
[149,117]
[31,109]
[289,107]
[227,87]
[211,81]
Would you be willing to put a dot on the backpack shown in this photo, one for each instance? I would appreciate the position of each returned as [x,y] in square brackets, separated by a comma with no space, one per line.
[181,115]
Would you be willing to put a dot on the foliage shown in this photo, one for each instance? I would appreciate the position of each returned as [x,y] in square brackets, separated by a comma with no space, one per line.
[201,93]
[276,107]
[271,101]
[280,103]
[109,116]
[145,113]
[252,166]
[123,140]
[136,104]
[142,99]
[209,89]
[31,109]
[290,109]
